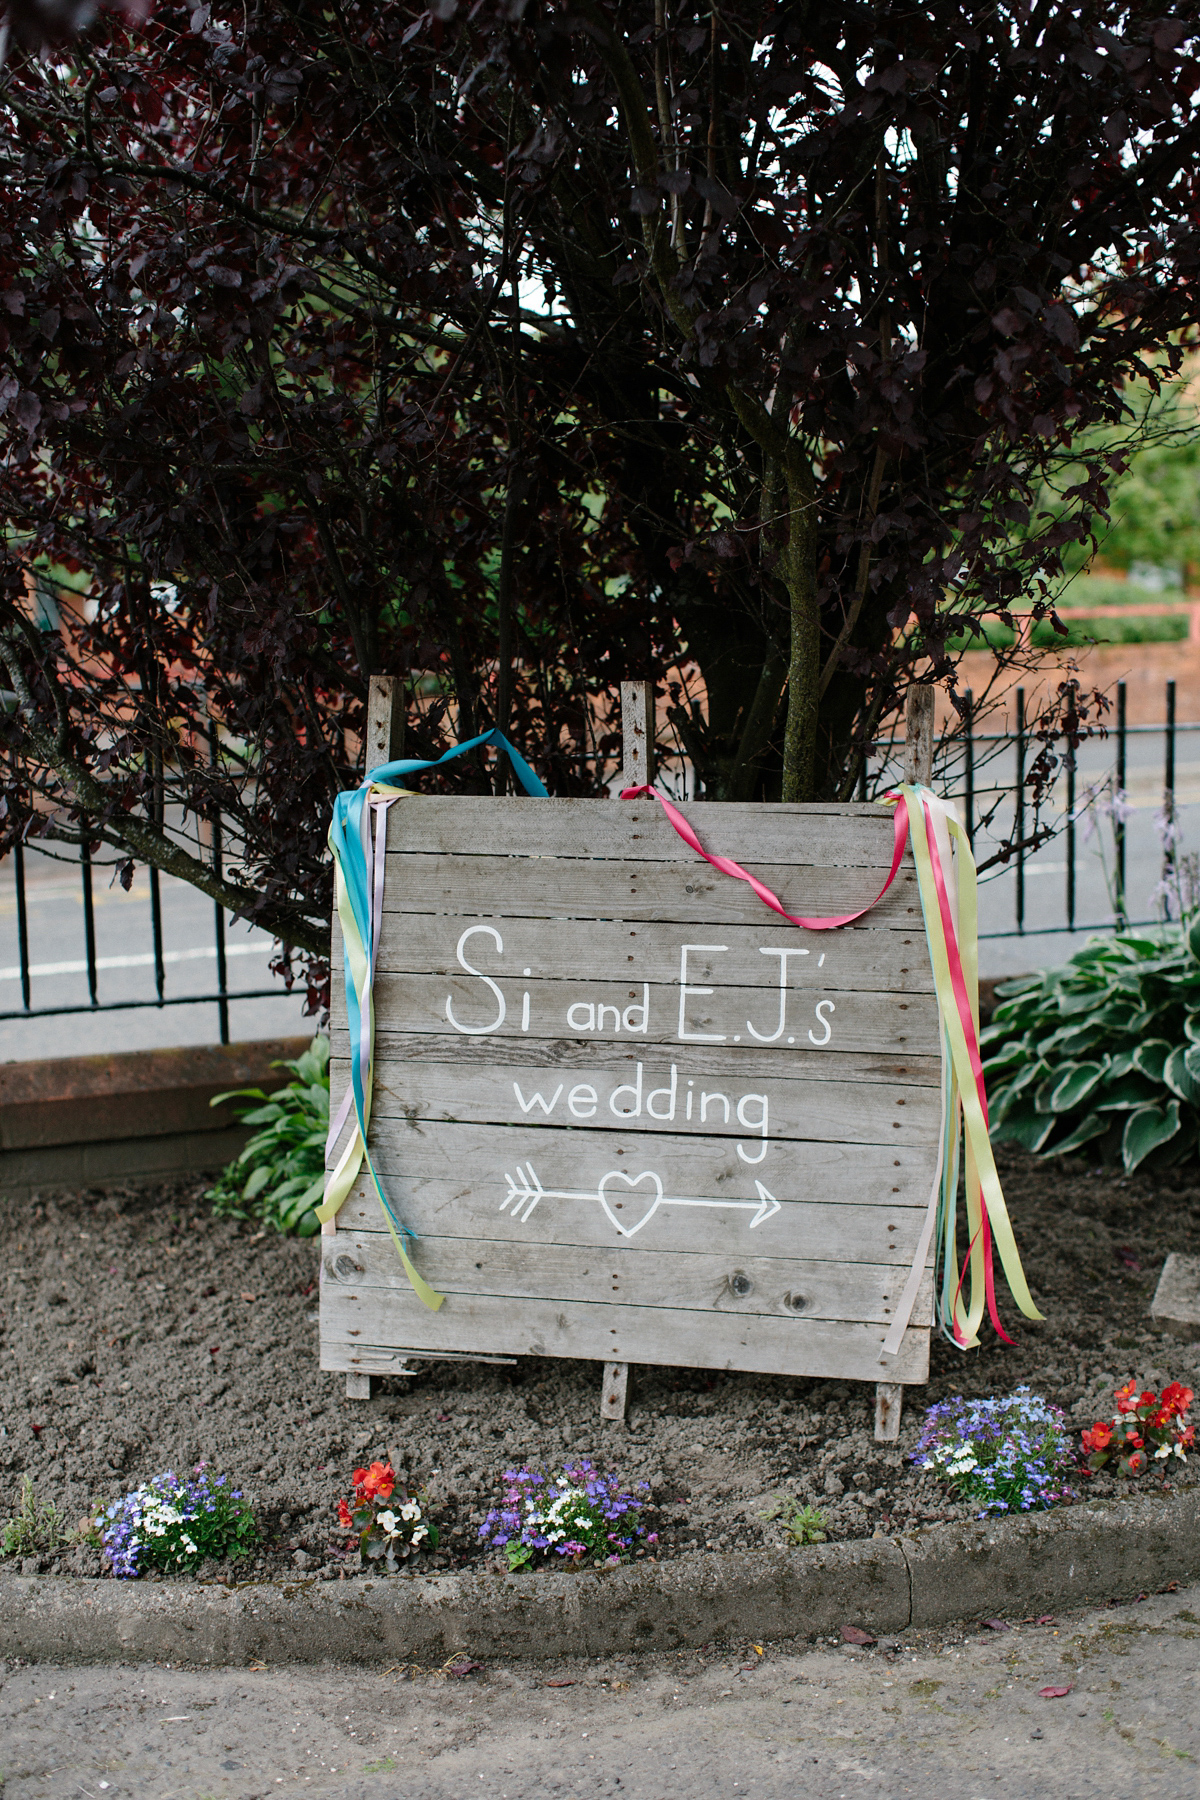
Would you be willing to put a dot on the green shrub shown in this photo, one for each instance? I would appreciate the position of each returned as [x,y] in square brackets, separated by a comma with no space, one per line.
[1103,1051]
[280,1175]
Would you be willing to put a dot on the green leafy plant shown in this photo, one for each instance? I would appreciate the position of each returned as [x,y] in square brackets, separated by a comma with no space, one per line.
[803,1524]
[1103,1051]
[280,1175]
[36,1526]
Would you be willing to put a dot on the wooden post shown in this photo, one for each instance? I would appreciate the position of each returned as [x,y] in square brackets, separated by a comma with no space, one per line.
[615,1390]
[637,733]
[385,720]
[918,767]
[918,735]
[637,757]
[889,1397]
[384,744]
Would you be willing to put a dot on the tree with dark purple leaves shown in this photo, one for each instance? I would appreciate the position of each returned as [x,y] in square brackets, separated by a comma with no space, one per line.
[519,348]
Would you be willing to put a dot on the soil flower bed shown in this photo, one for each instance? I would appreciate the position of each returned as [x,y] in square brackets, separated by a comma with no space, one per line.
[140,1333]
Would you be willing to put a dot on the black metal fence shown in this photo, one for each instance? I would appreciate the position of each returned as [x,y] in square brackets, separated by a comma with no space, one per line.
[987,772]
[91,964]
[1005,757]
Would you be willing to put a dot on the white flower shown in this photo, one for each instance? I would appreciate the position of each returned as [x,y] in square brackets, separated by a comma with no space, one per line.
[387,1522]
[420,1532]
[1163,1451]
[410,1510]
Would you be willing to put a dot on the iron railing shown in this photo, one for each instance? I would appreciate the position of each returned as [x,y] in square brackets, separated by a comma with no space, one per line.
[957,775]
[963,758]
[93,966]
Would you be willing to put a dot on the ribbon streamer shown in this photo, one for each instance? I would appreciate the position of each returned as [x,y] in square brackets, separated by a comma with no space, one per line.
[359,857]
[952,936]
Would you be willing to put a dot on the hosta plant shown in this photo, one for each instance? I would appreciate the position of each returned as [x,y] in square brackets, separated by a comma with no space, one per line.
[1103,1051]
[280,1175]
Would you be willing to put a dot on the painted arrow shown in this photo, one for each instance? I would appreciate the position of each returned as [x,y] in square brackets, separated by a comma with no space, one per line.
[525,1192]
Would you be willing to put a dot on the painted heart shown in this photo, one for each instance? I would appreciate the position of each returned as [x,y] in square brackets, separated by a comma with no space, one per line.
[626,1203]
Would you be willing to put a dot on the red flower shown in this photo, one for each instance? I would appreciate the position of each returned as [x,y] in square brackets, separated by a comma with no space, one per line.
[1176,1399]
[378,1480]
[1137,1462]
[1125,1397]
[345,1516]
[1148,1399]
[1098,1438]
[1186,1437]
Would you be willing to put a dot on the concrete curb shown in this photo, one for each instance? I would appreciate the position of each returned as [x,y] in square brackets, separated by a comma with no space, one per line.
[1014,1567]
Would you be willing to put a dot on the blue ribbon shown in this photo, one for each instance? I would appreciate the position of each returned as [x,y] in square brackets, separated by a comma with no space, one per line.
[345,842]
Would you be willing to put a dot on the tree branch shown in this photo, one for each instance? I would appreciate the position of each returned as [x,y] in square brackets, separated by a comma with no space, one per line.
[149,842]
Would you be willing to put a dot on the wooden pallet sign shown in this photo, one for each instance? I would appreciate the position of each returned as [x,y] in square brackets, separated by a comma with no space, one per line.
[631,1114]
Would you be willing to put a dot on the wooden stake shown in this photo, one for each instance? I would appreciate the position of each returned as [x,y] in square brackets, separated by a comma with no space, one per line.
[918,767]
[889,1397]
[637,755]
[918,735]
[637,733]
[360,1387]
[615,1390]
[385,720]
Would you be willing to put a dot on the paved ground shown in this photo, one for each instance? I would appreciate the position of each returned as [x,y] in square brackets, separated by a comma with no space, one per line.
[942,1717]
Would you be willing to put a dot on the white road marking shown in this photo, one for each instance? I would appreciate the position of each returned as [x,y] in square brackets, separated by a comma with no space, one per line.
[143,960]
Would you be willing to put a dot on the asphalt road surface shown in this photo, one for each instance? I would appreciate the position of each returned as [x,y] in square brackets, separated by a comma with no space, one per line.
[125,959]
[936,1716]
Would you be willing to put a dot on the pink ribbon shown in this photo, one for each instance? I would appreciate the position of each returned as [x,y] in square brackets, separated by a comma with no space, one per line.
[727,866]
[962,1001]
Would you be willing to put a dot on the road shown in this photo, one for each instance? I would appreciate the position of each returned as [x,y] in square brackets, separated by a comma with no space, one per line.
[938,1716]
[125,958]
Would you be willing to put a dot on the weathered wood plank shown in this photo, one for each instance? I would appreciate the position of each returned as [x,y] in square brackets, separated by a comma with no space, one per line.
[692,894]
[861,1203]
[621,1275]
[846,1020]
[850,1233]
[747,956]
[549,1097]
[767,1062]
[361,1334]
[826,836]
